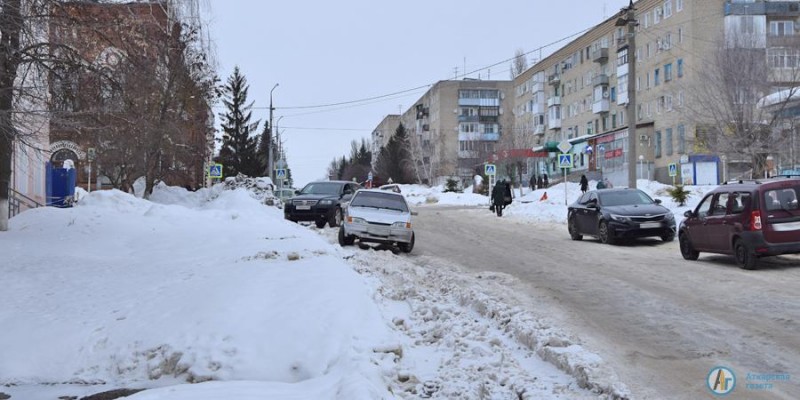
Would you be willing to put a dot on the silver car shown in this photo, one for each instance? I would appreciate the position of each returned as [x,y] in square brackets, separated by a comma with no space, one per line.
[378,216]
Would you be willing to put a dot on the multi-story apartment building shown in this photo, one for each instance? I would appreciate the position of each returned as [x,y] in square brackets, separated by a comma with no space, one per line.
[456,124]
[580,92]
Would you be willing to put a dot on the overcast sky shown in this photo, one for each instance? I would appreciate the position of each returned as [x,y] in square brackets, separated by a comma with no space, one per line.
[327,52]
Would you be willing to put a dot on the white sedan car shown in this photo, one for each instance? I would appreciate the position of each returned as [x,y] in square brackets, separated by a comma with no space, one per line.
[378,216]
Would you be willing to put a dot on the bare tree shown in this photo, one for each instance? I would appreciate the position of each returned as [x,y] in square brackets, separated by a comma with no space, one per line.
[519,64]
[427,152]
[518,138]
[26,55]
[731,118]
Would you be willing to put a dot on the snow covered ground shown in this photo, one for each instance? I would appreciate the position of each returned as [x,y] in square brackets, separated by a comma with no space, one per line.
[212,294]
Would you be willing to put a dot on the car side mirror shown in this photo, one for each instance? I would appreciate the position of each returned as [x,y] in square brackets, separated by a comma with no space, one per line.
[688,214]
[658,201]
[296,192]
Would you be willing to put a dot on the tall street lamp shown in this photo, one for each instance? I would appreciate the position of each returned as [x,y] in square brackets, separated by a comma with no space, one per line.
[270,162]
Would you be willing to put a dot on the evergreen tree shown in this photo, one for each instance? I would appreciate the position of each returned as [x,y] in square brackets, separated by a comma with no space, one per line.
[238,152]
[394,160]
[265,145]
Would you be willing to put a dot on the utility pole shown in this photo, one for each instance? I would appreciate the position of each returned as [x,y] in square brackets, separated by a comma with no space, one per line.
[630,20]
[270,150]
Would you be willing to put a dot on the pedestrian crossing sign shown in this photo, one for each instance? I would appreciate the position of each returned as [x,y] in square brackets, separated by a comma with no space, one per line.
[565,160]
[673,169]
[490,169]
[280,173]
[215,171]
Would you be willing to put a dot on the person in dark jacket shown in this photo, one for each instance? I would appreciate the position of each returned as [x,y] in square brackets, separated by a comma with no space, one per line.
[584,183]
[501,196]
[533,182]
[546,181]
[539,182]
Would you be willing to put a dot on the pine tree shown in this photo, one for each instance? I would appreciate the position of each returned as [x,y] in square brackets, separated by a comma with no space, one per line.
[394,160]
[238,153]
[265,145]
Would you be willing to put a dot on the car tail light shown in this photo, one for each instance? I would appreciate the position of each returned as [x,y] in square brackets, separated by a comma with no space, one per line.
[755,221]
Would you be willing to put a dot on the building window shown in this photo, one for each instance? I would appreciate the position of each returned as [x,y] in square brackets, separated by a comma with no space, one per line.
[680,35]
[667,72]
[614,121]
[667,9]
[589,128]
[646,20]
[656,77]
[622,57]
[658,144]
[781,28]
[782,57]
[678,5]
[668,141]
[681,139]
[680,68]
[657,15]
[613,93]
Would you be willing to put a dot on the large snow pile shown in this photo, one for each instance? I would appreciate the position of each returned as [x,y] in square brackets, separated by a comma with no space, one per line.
[124,292]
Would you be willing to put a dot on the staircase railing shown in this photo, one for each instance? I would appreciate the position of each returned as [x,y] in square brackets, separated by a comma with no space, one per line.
[17,200]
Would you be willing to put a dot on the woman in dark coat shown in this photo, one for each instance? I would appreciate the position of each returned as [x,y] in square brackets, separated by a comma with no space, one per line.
[584,183]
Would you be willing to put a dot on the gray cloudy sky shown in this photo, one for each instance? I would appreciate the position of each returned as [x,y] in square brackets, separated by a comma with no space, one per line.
[326,52]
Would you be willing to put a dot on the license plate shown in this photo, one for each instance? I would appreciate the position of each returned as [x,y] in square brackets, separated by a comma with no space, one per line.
[303,207]
[785,227]
[649,225]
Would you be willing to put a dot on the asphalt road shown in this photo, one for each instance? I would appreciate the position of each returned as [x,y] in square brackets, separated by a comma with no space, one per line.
[661,322]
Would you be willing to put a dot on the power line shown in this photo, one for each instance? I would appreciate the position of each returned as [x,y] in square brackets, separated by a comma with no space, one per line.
[465,74]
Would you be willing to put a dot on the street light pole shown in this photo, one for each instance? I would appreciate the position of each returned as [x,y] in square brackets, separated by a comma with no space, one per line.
[270,162]
[630,21]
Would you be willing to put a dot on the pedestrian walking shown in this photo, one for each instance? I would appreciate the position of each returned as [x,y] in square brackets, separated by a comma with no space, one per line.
[539,182]
[546,181]
[533,182]
[584,183]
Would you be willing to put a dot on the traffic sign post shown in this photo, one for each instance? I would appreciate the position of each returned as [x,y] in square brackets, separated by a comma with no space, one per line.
[490,169]
[215,171]
[673,172]
[565,162]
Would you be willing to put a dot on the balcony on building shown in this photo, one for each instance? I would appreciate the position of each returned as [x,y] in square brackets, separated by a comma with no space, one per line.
[538,130]
[554,101]
[782,8]
[490,137]
[537,108]
[468,154]
[600,55]
[600,80]
[601,106]
[537,87]
[479,102]
[467,118]
[554,79]
[554,124]
[622,42]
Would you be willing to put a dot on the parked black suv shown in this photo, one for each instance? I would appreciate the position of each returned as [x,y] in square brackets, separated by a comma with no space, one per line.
[747,219]
[321,202]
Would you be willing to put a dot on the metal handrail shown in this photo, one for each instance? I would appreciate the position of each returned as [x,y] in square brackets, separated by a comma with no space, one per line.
[16,200]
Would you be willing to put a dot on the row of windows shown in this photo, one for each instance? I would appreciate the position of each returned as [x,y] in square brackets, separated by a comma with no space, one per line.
[669,141]
[657,77]
[661,12]
[471,127]
[661,104]
[599,125]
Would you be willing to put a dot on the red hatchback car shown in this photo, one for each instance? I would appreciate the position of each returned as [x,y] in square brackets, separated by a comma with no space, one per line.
[749,220]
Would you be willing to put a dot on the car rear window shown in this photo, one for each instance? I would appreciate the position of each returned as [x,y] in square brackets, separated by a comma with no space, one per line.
[322,188]
[783,199]
[379,200]
[624,197]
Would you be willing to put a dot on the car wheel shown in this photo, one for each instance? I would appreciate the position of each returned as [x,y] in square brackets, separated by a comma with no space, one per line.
[407,247]
[320,223]
[668,237]
[687,251]
[573,229]
[605,234]
[336,218]
[744,257]
[345,240]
